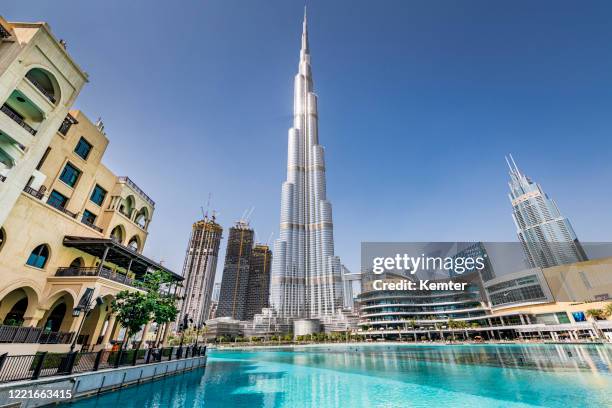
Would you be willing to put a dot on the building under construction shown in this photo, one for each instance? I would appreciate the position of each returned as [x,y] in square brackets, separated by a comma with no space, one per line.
[235,280]
[258,291]
[199,270]
[245,285]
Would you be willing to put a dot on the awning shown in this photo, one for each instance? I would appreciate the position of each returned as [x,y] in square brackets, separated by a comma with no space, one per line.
[117,254]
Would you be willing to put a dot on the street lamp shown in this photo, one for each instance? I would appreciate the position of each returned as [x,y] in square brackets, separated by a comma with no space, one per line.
[85,305]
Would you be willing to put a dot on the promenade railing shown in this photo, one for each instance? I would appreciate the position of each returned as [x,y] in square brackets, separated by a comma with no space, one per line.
[34,366]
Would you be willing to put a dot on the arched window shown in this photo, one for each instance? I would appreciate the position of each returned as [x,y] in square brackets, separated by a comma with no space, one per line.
[2,238]
[133,244]
[142,217]
[43,81]
[77,263]
[54,321]
[15,316]
[39,256]
[117,234]
[127,206]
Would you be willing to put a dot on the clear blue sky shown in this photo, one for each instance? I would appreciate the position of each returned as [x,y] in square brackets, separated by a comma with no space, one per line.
[419,102]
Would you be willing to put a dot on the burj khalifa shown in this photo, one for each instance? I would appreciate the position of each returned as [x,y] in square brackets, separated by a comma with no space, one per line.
[306,275]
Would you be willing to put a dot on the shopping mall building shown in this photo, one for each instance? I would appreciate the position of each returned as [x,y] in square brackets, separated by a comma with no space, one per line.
[539,303]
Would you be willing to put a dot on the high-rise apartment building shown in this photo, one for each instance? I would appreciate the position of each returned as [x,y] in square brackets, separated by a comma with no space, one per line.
[235,279]
[258,291]
[199,270]
[306,276]
[547,236]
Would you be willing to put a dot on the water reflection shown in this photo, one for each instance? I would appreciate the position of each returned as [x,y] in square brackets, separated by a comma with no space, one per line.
[543,357]
[381,375]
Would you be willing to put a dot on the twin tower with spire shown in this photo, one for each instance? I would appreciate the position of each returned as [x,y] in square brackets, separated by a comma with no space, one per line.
[306,275]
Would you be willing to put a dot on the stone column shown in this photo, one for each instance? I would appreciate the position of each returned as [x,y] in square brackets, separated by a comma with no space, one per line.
[109,330]
[32,318]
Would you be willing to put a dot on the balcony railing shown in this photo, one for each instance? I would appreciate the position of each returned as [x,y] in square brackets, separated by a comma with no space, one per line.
[58,205]
[17,334]
[101,272]
[66,124]
[8,111]
[38,86]
[91,225]
[32,192]
[134,187]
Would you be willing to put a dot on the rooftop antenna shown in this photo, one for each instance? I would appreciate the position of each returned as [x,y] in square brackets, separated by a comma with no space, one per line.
[508,163]
[515,166]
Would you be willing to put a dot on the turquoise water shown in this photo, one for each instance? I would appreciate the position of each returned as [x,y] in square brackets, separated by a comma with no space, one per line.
[386,376]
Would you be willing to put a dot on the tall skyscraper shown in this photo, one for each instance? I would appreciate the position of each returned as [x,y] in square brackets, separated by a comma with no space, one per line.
[547,236]
[199,269]
[306,276]
[258,291]
[235,279]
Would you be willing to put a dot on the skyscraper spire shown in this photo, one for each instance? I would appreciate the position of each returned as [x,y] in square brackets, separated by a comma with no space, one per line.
[547,236]
[514,170]
[306,278]
[305,49]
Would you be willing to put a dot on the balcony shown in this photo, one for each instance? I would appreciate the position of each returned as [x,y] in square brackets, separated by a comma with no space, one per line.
[18,119]
[69,120]
[108,251]
[33,193]
[58,205]
[101,272]
[40,87]
[133,186]
[91,225]
[17,334]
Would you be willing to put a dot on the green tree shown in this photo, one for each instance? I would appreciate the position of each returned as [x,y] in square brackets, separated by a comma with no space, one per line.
[135,309]
[597,314]
[608,310]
